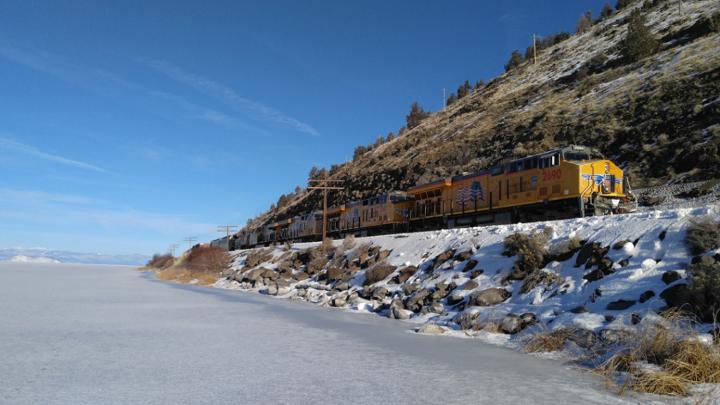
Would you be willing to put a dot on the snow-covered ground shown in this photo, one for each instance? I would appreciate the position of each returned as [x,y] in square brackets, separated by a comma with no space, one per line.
[637,257]
[109,334]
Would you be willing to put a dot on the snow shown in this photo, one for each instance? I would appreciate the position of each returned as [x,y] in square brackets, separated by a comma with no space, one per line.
[648,243]
[109,334]
[28,259]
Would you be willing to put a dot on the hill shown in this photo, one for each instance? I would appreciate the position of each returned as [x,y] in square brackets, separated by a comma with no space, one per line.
[658,117]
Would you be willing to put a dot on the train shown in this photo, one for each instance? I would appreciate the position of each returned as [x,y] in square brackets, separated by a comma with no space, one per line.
[567,182]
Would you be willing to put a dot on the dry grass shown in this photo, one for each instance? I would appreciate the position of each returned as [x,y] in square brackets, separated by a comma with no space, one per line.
[682,359]
[159,261]
[548,341]
[185,276]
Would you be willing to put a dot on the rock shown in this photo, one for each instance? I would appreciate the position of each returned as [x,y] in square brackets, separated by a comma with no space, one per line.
[442,258]
[396,312]
[619,305]
[489,297]
[706,260]
[635,318]
[417,300]
[470,265]
[405,274]
[470,285]
[334,273]
[436,308]
[620,244]
[511,324]
[624,262]
[455,298]
[255,274]
[615,336]
[441,291]
[606,265]
[382,255]
[342,286]
[583,338]
[528,318]
[409,288]
[476,273]
[380,293]
[594,275]
[462,256]
[584,254]
[677,296]
[378,273]
[670,277]
[467,320]
[579,310]
[270,290]
[431,329]
[339,301]
[300,276]
[646,295]
[300,292]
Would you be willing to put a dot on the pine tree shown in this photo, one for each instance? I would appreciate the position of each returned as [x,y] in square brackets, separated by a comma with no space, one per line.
[606,12]
[479,85]
[584,23]
[452,98]
[639,42]
[621,4]
[515,60]
[416,115]
[463,90]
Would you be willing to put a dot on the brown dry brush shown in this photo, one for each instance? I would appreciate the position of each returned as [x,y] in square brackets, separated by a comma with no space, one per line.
[159,261]
[682,359]
[207,259]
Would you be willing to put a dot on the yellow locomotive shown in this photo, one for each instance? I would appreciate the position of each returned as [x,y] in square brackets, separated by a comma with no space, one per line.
[561,183]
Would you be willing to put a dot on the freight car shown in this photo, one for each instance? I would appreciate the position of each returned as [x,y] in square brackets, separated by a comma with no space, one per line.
[561,183]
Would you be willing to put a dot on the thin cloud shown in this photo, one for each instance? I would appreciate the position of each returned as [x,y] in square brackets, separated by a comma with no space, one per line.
[29,150]
[41,197]
[218,90]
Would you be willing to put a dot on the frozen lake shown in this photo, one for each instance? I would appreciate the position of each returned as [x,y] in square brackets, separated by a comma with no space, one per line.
[79,334]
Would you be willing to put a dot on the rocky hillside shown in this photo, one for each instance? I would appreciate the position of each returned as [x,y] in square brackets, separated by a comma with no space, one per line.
[589,287]
[658,117]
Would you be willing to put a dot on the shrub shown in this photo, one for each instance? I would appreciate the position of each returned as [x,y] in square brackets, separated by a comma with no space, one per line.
[159,261]
[704,288]
[703,235]
[207,259]
[639,42]
[548,341]
[584,23]
[530,250]
[515,60]
[349,242]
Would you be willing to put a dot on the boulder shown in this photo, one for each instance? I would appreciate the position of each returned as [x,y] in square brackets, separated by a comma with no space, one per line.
[441,291]
[405,274]
[615,336]
[677,296]
[672,276]
[417,300]
[619,305]
[476,273]
[397,312]
[410,288]
[583,338]
[467,320]
[462,256]
[300,276]
[342,286]
[646,295]
[255,274]
[379,293]
[594,275]
[528,318]
[489,297]
[442,258]
[382,255]
[579,310]
[436,308]
[470,285]
[470,265]
[378,273]
[511,324]
[339,301]
[703,260]
[431,329]
[620,244]
[455,298]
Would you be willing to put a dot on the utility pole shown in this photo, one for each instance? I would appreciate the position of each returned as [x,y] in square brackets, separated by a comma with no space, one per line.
[324,185]
[172,248]
[227,229]
[190,241]
[534,51]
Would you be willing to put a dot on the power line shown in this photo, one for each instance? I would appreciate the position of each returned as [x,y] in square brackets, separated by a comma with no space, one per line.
[227,229]
[190,241]
[322,184]
[172,248]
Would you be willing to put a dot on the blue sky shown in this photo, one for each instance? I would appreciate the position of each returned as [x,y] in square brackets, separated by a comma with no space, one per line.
[127,126]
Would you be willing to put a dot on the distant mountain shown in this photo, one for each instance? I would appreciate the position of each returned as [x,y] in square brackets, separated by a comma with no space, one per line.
[41,255]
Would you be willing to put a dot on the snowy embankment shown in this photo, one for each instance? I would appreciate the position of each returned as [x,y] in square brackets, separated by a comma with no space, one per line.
[600,277]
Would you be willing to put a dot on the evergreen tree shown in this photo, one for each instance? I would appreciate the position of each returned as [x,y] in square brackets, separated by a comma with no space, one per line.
[639,42]
[621,4]
[479,84]
[416,115]
[451,99]
[515,60]
[463,90]
[606,12]
[584,23]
